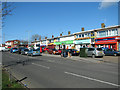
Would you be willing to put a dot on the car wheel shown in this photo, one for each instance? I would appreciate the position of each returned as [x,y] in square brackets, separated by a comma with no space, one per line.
[93,56]
[115,54]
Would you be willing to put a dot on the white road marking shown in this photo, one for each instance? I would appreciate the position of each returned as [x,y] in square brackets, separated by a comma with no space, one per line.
[89,78]
[51,61]
[41,65]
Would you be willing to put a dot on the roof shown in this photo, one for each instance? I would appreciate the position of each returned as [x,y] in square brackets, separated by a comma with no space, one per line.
[109,27]
[12,40]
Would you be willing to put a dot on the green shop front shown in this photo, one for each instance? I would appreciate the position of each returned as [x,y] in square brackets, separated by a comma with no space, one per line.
[82,43]
[64,44]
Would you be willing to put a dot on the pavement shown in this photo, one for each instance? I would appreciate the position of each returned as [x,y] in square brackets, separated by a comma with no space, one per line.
[109,59]
[55,72]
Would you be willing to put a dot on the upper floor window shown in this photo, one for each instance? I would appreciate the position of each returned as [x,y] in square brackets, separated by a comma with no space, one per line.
[80,36]
[106,33]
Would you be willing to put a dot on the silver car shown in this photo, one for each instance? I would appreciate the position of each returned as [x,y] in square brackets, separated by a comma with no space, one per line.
[34,52]
[24,51]
[94,52]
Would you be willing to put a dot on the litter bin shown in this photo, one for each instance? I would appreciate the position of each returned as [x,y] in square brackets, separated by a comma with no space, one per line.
[83,52]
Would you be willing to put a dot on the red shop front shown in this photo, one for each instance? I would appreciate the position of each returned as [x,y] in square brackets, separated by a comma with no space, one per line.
[110,42]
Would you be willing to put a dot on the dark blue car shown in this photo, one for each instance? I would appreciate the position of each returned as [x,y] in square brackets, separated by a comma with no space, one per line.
[13,50]
[110,52]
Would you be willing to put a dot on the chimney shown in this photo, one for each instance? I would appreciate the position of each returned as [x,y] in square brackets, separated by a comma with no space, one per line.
[40,38]
[52,36]
[68,32]
[102,25]
[45,37]
[83,29]
[61,34]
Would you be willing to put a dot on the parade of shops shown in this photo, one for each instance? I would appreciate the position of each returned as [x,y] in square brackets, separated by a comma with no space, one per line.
[102,37]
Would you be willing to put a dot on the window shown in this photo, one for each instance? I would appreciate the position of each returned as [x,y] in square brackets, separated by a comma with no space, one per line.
[82,35]
[101,34]
[109,33]
[91,49]
[86,35]
[99,49]
[79,35]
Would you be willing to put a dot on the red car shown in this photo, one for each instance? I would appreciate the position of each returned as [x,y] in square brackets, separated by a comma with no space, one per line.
[53,51]
[59,50]
[45,49]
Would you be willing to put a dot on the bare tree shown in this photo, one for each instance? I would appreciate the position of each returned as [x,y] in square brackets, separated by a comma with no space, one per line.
[24,42]
[35,37]
[7,8]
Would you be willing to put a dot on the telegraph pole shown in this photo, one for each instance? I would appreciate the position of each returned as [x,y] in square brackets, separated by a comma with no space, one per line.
[3,38]
[28,36]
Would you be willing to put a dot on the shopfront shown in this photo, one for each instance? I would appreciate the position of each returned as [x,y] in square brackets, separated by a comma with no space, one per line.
[64,44]
[82,43]
[109,42]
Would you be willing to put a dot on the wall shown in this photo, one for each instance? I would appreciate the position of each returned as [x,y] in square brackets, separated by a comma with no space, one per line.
[67,38]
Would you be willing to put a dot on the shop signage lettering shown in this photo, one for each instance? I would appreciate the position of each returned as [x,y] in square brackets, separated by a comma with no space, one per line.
[82,38]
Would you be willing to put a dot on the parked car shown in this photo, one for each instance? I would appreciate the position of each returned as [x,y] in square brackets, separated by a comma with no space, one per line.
[13,50]
[50,51]
[60,51]
[19,49]
[24,51]
[34,52]
[55,51]
[3,49]
[111,52]
[74,52]
[45,49]
[95,52]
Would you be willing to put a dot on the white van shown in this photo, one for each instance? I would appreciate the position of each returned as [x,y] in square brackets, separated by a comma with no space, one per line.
[3,49]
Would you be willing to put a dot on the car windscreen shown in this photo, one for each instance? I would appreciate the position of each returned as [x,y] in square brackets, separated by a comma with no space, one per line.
[91,49]
[35,50]
[99,49]
[14,48]
[26,50]
[74,50]
[54,49]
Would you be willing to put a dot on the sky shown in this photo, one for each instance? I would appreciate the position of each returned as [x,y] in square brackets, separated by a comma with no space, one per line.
[53,18]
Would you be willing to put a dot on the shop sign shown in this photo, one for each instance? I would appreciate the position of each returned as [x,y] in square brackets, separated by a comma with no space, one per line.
[63,42]
[82,38]
[119,46]
[16,42]
[83,41]
[117,38]
[51,44]
[92,36]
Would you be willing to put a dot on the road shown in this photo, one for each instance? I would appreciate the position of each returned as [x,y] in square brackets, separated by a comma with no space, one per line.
[57,72]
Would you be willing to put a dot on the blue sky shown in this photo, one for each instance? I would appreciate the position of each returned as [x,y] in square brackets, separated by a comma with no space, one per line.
[53,18]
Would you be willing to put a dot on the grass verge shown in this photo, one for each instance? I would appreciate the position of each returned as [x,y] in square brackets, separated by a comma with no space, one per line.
[7,83]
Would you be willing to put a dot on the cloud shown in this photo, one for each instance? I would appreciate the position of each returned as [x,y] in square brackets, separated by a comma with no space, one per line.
[107,3]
